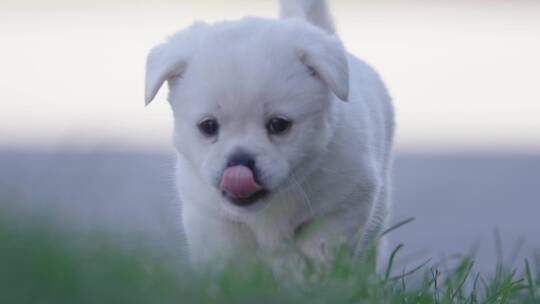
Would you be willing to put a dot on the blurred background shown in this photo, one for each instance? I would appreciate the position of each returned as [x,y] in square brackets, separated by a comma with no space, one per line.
[78,146]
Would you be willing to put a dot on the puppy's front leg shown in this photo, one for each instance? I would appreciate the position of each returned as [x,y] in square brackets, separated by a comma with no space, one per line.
[213,238]
[320,237]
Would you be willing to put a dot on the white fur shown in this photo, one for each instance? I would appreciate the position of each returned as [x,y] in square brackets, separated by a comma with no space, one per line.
[314,11]
[328,174]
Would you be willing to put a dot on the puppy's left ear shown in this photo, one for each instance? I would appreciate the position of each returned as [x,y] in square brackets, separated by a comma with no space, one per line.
[170,59]
[325,55]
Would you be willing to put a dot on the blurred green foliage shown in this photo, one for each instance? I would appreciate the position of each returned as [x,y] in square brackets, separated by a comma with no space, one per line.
[42,263]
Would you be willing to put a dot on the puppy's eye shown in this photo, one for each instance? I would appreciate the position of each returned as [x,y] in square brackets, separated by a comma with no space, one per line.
[278,125]
[209,127]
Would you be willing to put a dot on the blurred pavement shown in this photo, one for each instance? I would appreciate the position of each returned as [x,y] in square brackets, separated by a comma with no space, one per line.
[458,200]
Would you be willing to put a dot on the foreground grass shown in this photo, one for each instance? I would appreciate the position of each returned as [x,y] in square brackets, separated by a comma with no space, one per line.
[45,265]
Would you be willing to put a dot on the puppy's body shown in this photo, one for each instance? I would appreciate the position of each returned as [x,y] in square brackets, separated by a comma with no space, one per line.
[324,179]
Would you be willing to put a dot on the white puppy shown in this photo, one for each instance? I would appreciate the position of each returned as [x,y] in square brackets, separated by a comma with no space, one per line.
[283,138]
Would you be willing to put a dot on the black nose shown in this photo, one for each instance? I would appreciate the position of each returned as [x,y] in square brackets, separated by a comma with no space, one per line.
[242,159]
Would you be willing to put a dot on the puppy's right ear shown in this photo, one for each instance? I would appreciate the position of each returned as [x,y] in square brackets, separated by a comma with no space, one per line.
[170,59]
[162,64]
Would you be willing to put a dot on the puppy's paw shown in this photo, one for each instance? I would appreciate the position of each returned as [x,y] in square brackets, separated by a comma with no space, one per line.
[290,266]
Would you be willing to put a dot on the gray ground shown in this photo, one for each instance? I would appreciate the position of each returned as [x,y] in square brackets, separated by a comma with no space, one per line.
[458,200]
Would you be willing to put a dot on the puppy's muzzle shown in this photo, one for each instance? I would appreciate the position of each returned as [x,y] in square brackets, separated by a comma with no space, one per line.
[239,180]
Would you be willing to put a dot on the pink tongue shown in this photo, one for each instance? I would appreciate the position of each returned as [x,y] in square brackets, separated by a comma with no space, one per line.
[239,182]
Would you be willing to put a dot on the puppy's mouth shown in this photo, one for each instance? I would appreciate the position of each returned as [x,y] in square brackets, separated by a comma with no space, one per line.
[240,187]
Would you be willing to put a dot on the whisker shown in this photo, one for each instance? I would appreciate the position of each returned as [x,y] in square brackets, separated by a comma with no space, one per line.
[305,198]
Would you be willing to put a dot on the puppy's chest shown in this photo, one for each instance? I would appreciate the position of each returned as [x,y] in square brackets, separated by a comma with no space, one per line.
[282,224]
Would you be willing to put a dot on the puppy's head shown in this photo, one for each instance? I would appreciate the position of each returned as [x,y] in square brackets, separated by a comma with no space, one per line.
[252,101]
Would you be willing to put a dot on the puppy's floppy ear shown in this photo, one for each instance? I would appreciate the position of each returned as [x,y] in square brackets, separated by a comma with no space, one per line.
[162,64]
[324,54]
[170,59]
